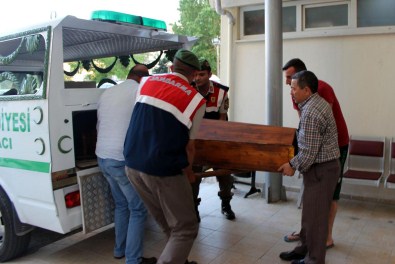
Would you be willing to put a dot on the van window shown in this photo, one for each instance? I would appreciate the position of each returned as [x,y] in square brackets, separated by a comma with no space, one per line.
[23,61]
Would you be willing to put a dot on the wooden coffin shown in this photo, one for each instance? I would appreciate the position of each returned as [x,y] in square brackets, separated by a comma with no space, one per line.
[242,146]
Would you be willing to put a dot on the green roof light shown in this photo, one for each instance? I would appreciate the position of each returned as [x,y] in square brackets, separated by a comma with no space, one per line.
[112,16]
[149,22]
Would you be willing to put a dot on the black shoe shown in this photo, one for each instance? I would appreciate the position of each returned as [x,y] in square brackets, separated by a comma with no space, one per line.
[152,260]
[190,262]
[197,214]
[228,213]
[295,261]
[119,257]
[197,202]
[226,209]
[291,255]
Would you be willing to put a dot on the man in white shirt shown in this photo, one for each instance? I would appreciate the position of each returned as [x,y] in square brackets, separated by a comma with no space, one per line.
[113,114]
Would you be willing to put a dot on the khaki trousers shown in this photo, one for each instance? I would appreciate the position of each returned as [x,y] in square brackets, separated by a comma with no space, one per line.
[170,202]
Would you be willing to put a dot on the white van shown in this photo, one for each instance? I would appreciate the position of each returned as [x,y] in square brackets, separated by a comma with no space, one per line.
[49,176]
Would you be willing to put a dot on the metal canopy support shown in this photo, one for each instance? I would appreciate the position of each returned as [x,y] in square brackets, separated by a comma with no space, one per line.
[274,191]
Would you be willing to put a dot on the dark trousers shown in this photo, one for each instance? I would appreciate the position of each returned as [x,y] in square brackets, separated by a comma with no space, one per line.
[225,186]
[319,184]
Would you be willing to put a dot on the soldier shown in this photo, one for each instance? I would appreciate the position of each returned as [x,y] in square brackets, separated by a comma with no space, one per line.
[217,104]
[159,151]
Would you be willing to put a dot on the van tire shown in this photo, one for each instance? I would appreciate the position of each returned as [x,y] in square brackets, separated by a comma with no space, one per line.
[11,245]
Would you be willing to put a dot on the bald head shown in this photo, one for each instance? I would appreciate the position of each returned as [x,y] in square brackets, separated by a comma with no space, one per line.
[137,72]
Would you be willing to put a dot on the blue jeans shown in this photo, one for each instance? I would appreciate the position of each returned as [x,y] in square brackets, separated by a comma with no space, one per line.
[130,213]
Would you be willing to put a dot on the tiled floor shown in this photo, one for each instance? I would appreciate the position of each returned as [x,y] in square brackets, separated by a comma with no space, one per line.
[364,233]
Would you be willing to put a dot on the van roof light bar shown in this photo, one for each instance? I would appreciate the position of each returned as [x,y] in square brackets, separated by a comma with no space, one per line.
[117,17]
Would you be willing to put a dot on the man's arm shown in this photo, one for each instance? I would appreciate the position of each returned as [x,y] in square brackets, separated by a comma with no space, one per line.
[223,116]
[310,143]
[190,149]
[223,110]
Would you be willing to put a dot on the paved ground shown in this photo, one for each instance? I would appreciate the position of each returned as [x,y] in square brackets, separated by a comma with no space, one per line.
[41,238]
[364,233]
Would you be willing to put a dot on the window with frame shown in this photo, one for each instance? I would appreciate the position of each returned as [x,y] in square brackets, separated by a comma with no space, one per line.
[325,16]
[23,61]
[314,18]
[375,13]
[289,19]
[253,20]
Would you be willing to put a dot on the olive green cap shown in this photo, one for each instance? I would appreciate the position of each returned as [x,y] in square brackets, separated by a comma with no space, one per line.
[204,65]
[189,58]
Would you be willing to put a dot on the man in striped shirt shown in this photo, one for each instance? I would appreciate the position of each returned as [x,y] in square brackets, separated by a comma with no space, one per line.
[318,160]
[325,91]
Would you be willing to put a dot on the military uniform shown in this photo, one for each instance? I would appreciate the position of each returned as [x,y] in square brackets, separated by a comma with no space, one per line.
[158,147]
[217,103]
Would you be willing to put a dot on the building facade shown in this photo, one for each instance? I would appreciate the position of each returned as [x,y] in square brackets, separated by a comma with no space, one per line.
[349,44]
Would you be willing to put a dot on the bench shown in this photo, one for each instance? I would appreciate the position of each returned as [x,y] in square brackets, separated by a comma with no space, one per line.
[390,179]
[365,161]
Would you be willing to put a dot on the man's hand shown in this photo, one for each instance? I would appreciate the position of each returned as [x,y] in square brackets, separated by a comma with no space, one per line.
[286,169]
[191,177]
[190,149]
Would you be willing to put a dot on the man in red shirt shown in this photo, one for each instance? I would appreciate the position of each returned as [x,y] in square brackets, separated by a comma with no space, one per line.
[324,90]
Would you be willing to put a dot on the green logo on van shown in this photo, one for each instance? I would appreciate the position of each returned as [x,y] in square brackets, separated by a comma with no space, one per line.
[15,121]
[5,143]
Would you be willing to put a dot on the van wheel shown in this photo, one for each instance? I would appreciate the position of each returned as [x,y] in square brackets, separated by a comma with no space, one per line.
[11,245]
